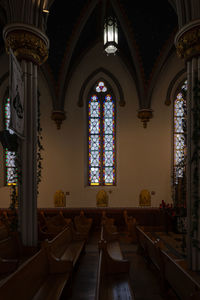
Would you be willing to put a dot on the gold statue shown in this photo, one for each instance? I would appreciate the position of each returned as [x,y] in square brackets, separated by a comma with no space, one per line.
[59,199]
[102,199]
[145,198]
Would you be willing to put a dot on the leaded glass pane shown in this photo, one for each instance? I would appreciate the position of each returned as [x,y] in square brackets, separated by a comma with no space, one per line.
[9,155]
[180,133]
[179,157]
[10,159]
[108,142]
[94,176]
[108,126]
[108,175]
[94,142]
[179,141]
[108,106]
[94,158]
[108,160]
[10,174]
[179,125]
[94,109]
[179,107]
[101,87]
[101,141]
[94,126]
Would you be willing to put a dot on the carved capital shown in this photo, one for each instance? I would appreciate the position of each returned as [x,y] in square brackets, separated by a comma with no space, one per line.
[187,41]
[27,42]
[58,116]
[145,114]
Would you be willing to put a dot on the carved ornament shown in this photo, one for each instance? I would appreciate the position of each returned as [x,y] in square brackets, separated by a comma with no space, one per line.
[188,43]
[145,114]
[27,46]
[58,116]
[27,42]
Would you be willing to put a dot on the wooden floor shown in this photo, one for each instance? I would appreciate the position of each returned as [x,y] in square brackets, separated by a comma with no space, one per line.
[144,279]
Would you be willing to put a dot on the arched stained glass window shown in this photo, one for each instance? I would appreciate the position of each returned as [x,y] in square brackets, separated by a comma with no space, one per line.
[9,155]
[180,134]
[101,136]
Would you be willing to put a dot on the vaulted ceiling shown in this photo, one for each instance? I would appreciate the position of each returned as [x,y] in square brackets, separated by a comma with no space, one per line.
[146,34]
[146,39]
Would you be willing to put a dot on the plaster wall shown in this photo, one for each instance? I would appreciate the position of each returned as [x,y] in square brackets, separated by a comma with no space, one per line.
[143,155]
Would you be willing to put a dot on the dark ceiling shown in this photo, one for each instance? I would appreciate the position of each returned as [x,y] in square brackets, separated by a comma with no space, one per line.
[151,23]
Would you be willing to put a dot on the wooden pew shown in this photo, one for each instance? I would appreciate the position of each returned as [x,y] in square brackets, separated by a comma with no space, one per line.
[82,223]
[176,276]
[11,254]
[131,224]
[66,246]
[173,272]
[113,271]
[52,225]
[36,279]
[149,247]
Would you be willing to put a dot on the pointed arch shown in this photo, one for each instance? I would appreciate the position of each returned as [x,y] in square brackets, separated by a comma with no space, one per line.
[101,72]
[101,137]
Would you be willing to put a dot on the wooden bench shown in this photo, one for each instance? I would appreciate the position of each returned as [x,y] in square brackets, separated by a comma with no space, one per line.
[149,246]
[178,277]
[131,223]
[37,279]
[52,225]
[113,271]
[173,272]
[82,223]
[66,246]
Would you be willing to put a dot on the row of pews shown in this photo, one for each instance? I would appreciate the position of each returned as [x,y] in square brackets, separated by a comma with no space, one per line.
[172,270]
[113,270]
[46,274]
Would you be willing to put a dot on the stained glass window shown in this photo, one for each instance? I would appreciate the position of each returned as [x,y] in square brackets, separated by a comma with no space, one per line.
[101,136]
[180,133]
[9,155]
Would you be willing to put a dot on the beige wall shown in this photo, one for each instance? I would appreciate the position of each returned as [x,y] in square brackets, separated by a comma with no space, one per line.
[143,155]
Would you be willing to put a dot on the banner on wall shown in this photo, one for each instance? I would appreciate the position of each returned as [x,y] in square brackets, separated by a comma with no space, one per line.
[16,94]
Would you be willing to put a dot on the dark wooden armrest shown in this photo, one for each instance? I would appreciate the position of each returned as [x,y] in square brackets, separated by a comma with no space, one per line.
[56,265]
[8,265]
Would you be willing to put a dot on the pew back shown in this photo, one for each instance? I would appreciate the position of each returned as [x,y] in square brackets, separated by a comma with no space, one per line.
[26,281]
[179,279]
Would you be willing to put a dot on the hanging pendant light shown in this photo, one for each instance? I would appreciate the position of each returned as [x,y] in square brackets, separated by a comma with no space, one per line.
[110,34]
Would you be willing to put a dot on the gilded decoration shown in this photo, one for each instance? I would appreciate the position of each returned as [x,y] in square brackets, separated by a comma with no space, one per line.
[59,199]
[145,115]
[27,45]
[145,198]
[188,44]
[102,199]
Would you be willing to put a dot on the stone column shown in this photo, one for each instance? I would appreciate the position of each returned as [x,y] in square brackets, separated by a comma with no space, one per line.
[187,42]
[30,46]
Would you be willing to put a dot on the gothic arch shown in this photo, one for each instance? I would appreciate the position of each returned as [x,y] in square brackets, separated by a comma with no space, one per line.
[100,72]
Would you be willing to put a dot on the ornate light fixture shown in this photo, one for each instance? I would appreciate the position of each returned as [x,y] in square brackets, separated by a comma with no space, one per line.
[110,33]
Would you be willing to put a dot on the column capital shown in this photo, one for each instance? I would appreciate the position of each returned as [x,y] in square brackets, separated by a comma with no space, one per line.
[58,116]
[27,42]
[187,40]
[145,114]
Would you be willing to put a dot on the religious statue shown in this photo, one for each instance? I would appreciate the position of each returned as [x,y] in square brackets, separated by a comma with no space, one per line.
[145,198]
[102,199]
[59,199]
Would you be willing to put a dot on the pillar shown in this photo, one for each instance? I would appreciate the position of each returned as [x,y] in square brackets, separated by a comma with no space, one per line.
[30,46]
[187,43]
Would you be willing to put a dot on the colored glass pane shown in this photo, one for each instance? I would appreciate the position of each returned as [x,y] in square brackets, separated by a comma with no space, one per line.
[180,132]
[9,155]
[101,87]
[101,141]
